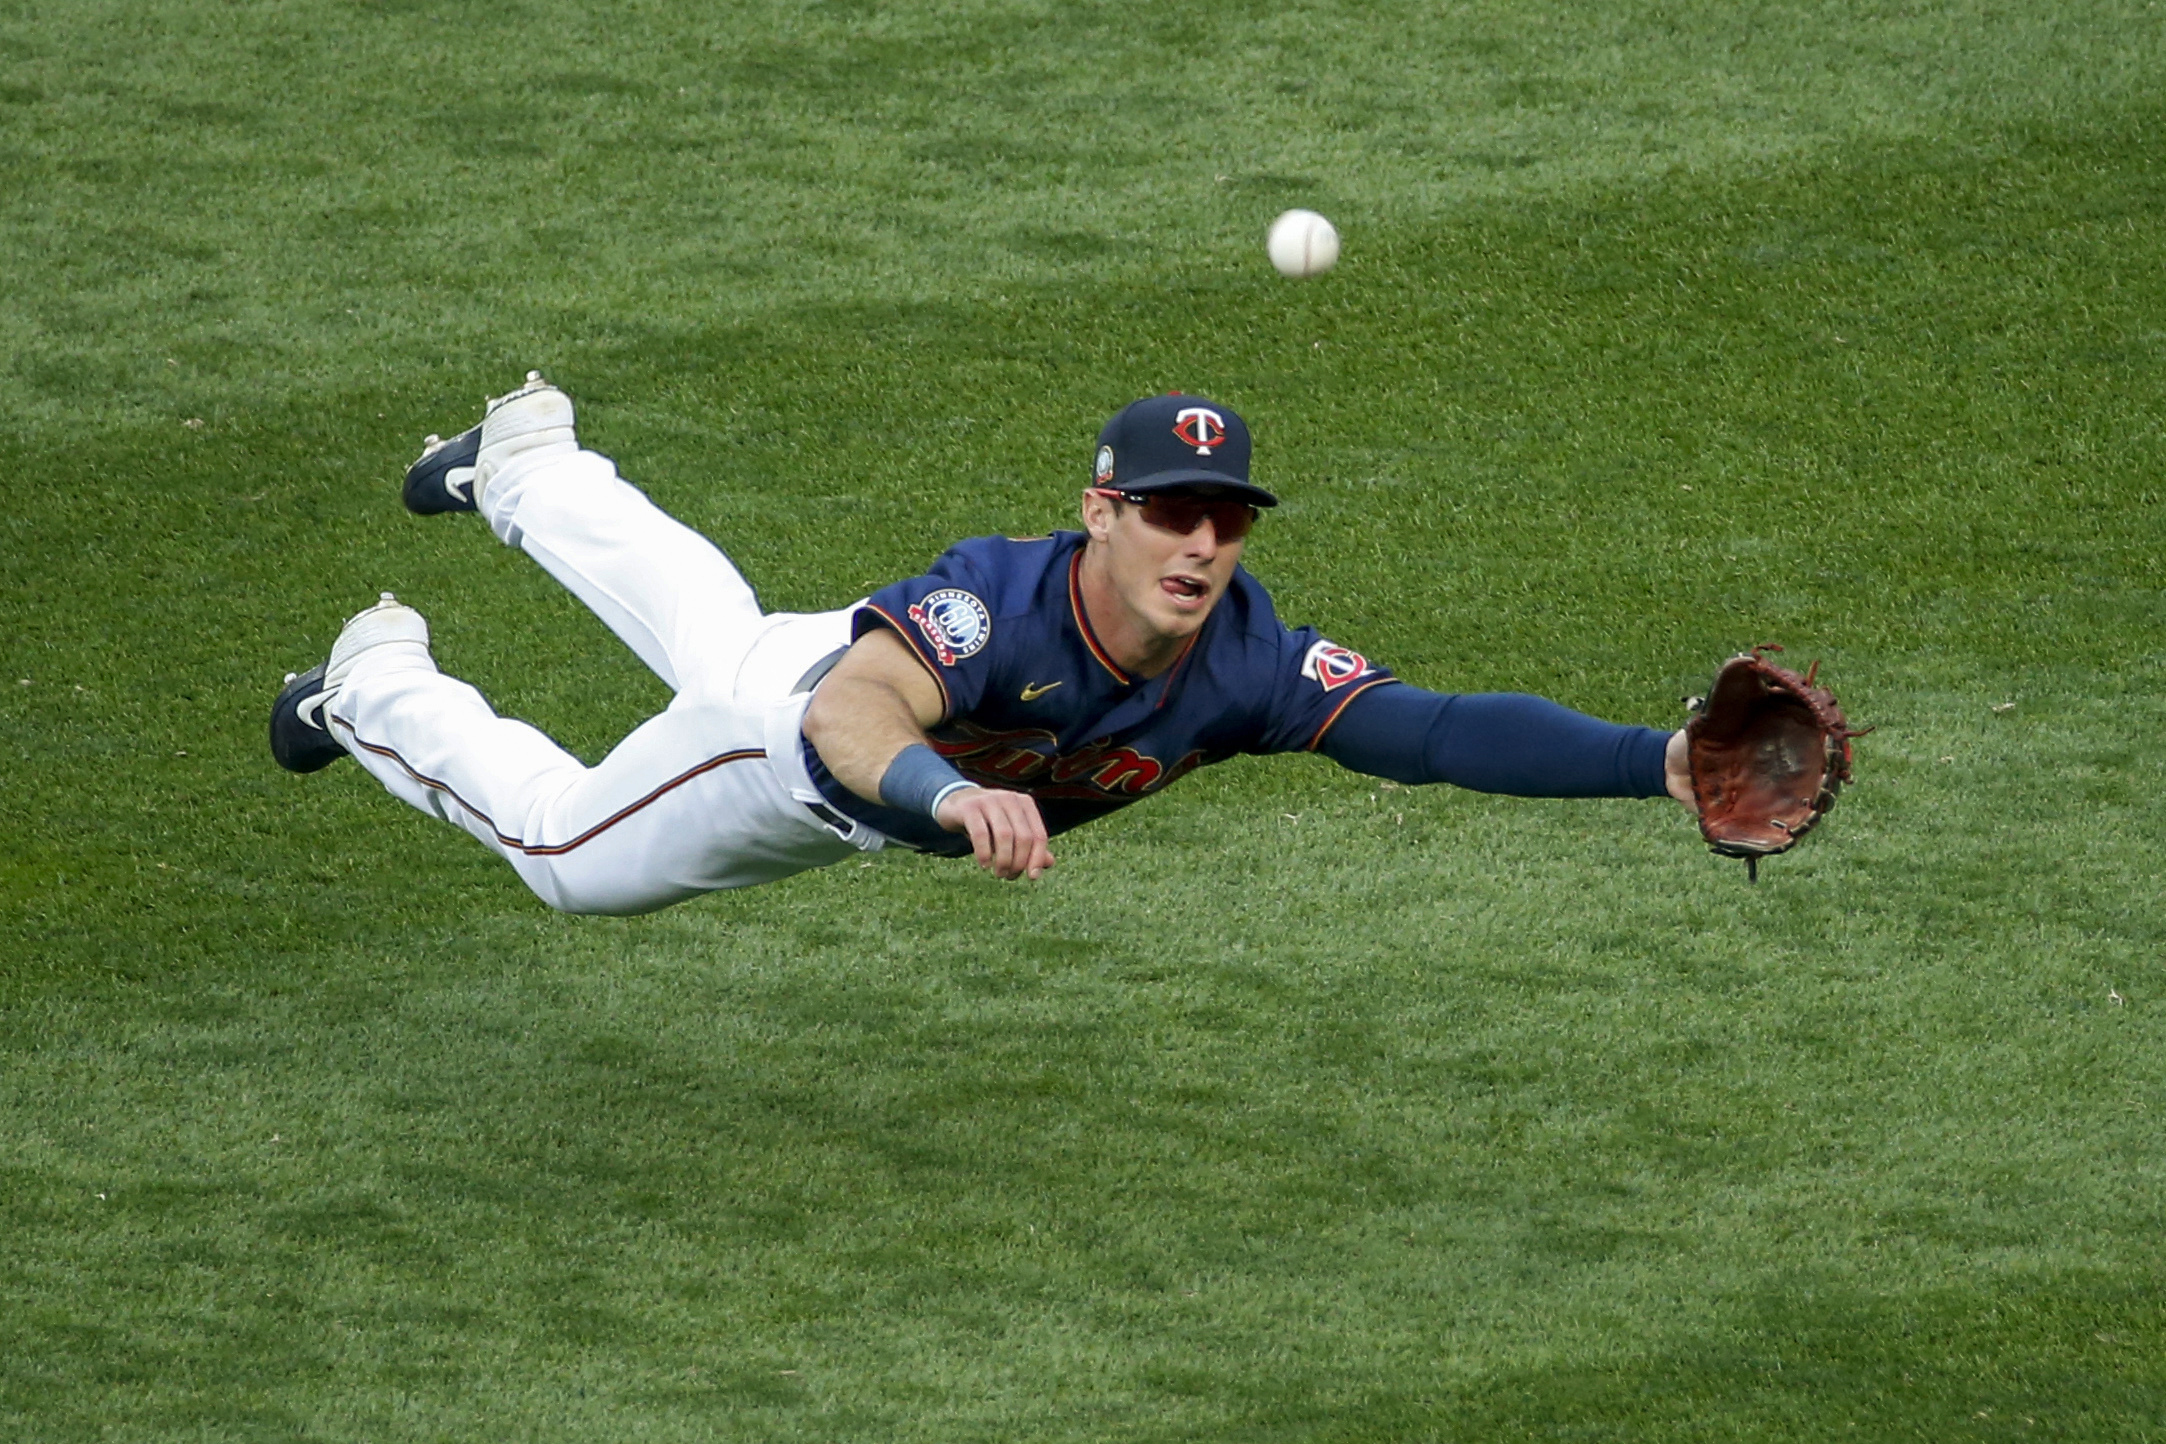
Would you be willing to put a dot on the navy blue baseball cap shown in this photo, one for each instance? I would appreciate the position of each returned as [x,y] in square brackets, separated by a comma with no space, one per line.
[1177,443]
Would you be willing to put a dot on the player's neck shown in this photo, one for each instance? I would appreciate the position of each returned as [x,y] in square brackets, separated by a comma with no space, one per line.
[1136,647]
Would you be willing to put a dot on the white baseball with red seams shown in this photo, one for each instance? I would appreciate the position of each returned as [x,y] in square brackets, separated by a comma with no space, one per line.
[1302,243]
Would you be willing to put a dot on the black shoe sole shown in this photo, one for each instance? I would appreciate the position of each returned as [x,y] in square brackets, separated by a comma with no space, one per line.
[428,491]
[297,744]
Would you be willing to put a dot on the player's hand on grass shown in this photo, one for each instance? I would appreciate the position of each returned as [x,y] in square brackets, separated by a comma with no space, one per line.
[1677,770]
[1005,829]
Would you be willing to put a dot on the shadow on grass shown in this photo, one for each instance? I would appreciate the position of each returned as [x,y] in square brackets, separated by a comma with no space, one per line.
[2046,1356]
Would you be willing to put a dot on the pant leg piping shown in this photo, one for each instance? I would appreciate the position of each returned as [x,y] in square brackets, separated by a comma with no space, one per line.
[555,849]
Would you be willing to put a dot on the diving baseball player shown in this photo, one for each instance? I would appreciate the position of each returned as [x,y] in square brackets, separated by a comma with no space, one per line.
[1017,689]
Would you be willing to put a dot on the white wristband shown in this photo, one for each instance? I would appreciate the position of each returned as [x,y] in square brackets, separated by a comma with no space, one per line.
[944,793]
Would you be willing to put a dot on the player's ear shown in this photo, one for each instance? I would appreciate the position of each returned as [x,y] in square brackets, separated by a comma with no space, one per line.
[1097,515]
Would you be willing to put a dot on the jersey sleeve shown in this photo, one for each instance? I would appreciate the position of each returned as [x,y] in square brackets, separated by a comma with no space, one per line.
[1312,679]
[946,618]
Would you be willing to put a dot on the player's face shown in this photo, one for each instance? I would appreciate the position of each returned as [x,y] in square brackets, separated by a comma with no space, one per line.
[1168,564]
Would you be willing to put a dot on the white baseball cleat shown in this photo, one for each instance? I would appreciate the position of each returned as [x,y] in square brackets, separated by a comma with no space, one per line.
[537,417]
[301,738]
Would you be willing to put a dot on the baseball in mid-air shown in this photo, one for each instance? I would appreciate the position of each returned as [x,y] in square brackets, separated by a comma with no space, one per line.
[1303,243]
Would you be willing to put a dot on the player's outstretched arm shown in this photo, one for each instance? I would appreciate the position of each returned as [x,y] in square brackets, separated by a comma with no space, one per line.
[1504,742]
[865,719]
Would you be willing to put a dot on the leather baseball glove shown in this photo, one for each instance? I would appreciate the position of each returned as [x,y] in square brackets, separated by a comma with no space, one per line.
[1769,749]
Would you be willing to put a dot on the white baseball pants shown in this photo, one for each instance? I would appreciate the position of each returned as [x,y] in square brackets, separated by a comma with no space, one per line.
[711,794]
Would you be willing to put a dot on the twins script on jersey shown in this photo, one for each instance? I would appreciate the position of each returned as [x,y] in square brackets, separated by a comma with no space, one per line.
[1035,704]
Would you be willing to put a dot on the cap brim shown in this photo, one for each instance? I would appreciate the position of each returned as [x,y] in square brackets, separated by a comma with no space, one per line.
[1233,486]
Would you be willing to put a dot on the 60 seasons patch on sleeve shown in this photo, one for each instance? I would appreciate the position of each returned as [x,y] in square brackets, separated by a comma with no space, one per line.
[955,624]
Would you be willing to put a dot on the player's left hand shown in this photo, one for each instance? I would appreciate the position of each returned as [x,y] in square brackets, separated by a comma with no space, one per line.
[1677,770]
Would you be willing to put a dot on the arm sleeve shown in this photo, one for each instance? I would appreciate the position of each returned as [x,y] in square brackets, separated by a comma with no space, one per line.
[1495,742]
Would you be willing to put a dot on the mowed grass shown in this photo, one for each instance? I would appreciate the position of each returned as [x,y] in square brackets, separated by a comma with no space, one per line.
[1290,1106]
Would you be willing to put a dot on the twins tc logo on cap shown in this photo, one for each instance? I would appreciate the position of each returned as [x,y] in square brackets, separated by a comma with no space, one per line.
[1330,666]
[955,624]
[1200,427]
[1177,441]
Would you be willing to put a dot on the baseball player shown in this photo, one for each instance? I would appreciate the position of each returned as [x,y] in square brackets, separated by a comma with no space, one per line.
[1017,689]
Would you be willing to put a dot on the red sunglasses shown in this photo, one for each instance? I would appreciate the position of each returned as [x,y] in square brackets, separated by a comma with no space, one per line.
[1230,520]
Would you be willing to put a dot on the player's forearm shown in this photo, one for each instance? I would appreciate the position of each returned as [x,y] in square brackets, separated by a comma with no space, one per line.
[859,725]
[1496,742]
[870,739]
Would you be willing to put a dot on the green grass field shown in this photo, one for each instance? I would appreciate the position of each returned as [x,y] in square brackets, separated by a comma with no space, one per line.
[1289,1107]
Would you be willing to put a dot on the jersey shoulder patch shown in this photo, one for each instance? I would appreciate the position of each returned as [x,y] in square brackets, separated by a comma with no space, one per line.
[1331,666]
[954,623]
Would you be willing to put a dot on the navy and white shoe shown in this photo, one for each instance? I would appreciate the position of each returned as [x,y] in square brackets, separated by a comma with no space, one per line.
[301,736]
[443,478]
[448,475]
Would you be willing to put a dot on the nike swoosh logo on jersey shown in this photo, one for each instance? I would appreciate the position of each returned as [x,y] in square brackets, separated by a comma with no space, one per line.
[458,480]
[311,711]
[1032,694]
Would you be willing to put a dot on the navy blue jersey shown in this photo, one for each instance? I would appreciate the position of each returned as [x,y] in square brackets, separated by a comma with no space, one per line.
[1035,704]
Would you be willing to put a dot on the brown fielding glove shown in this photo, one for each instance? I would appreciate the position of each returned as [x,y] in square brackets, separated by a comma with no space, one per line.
[1768,749]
